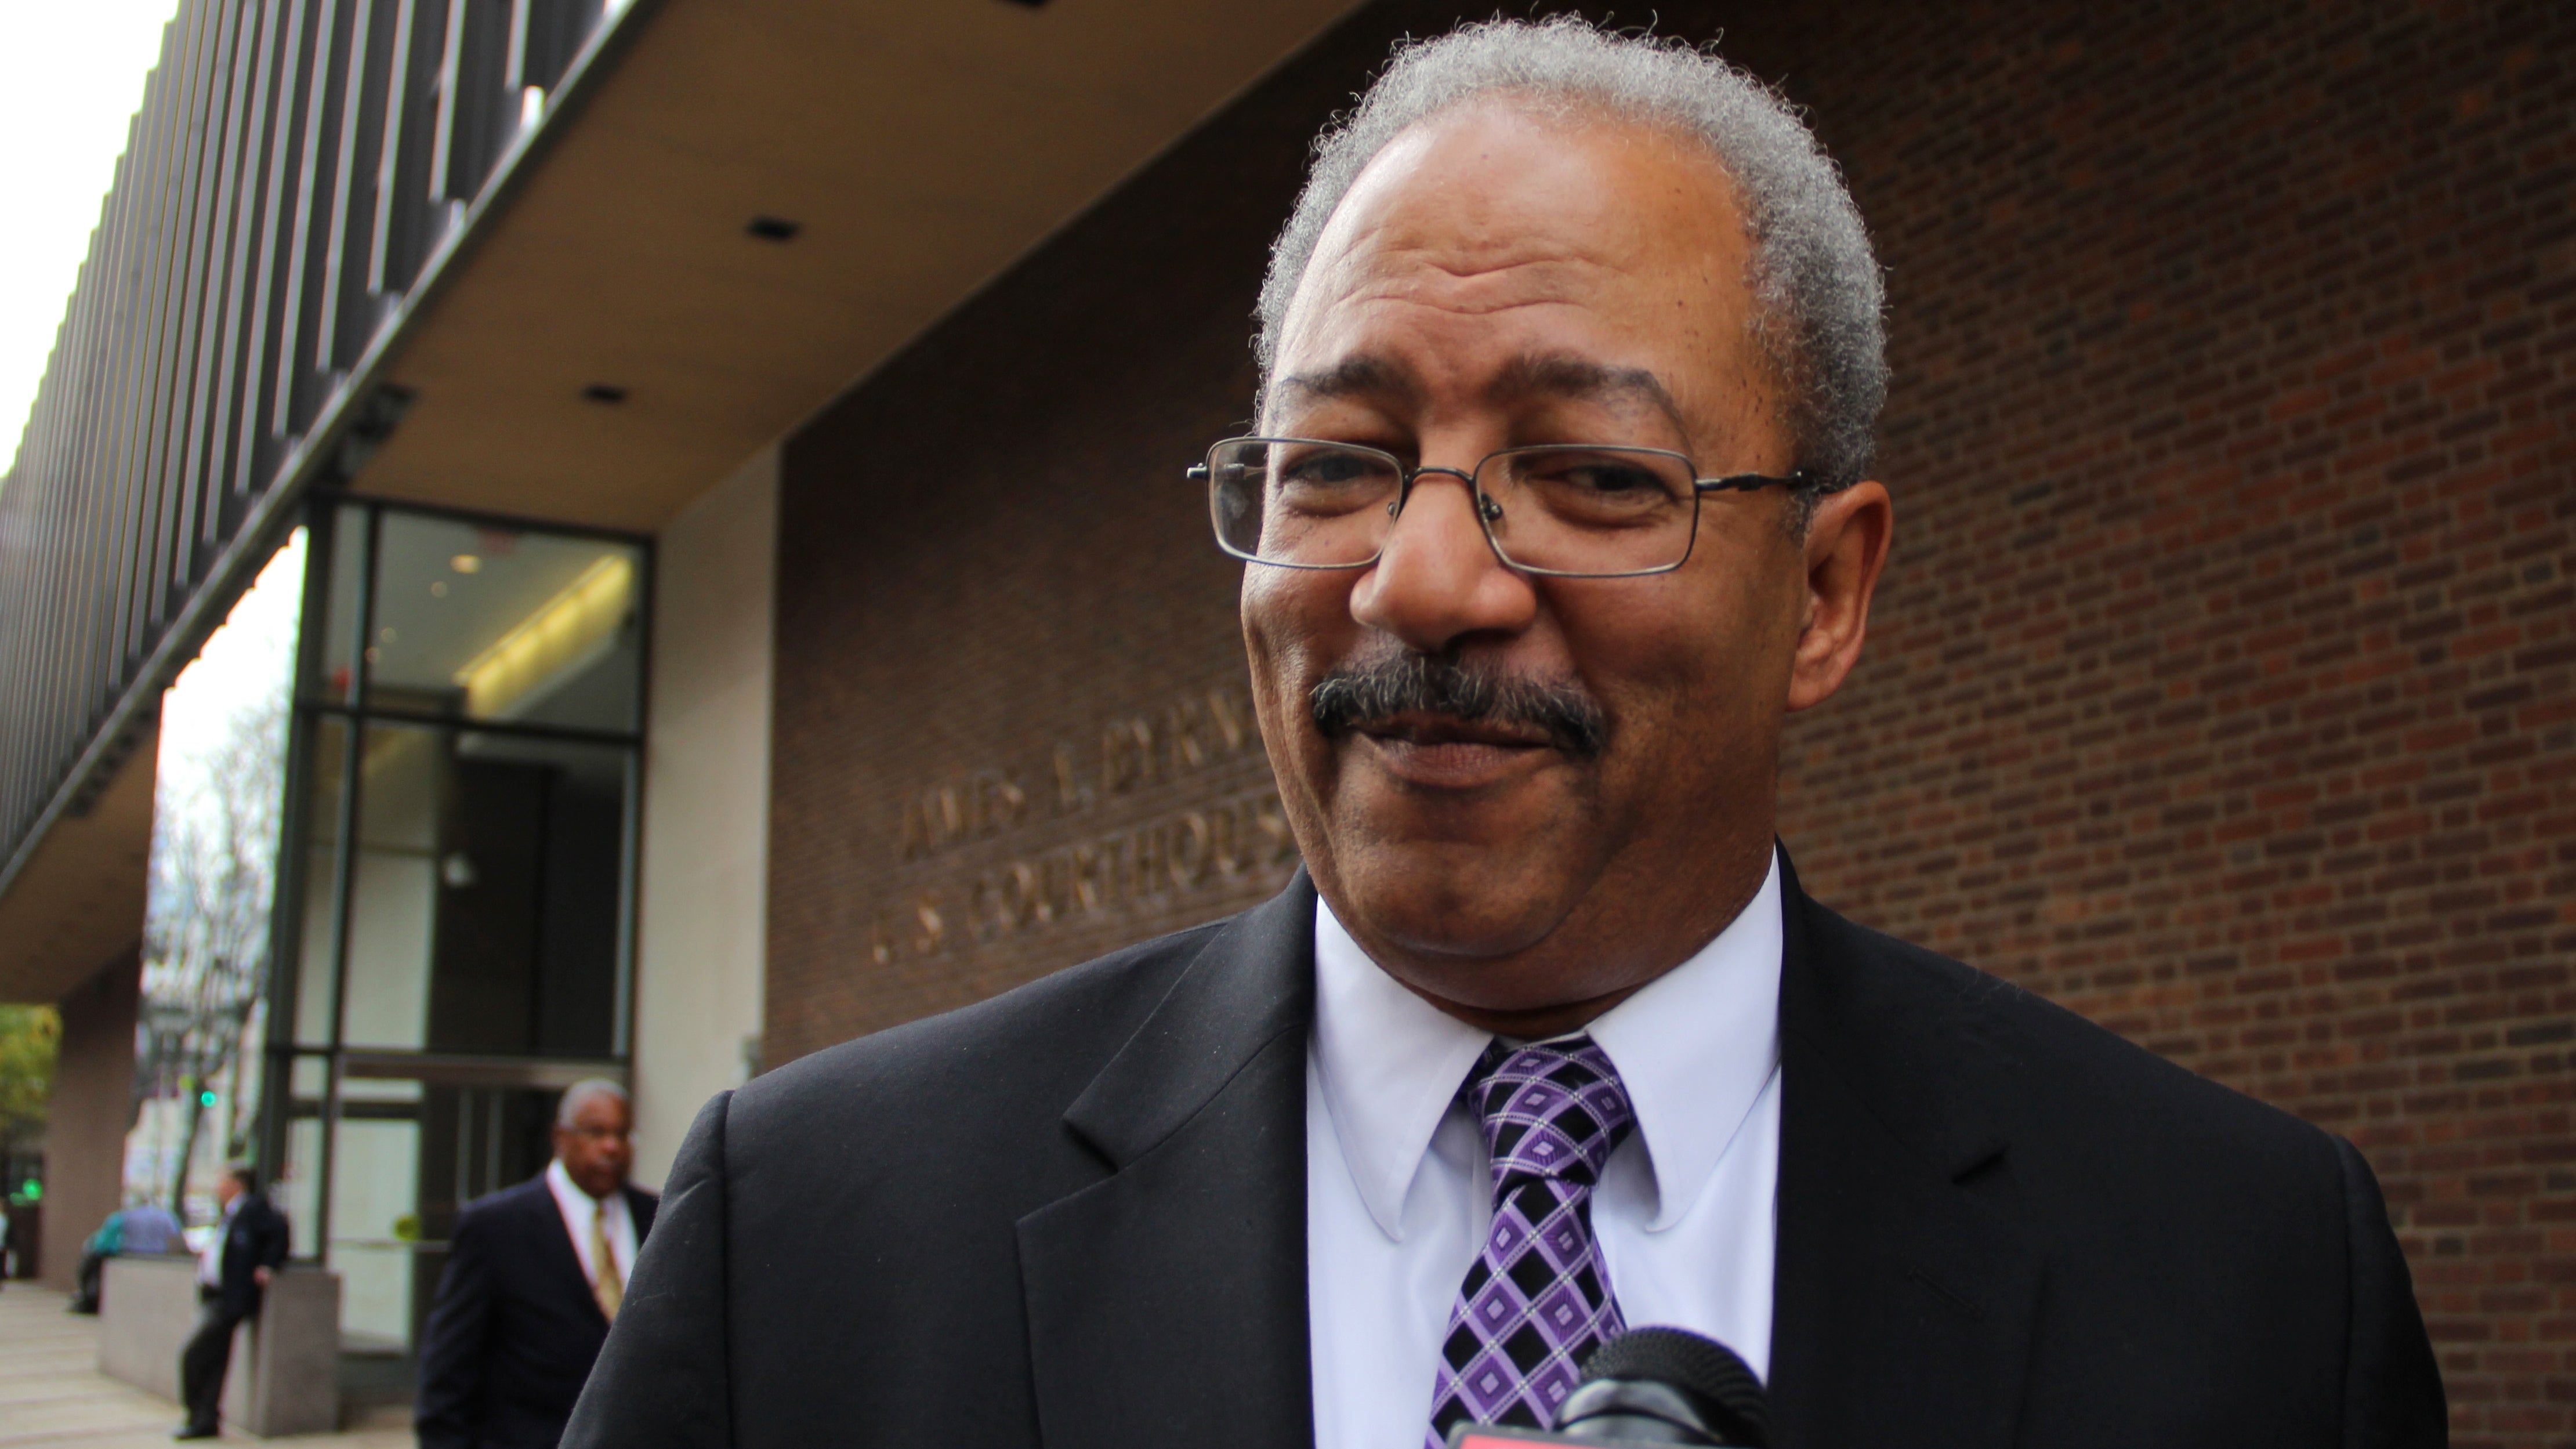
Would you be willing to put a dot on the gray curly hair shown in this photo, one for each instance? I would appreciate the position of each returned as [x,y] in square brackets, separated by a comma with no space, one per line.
[580,1094]
[1815,279]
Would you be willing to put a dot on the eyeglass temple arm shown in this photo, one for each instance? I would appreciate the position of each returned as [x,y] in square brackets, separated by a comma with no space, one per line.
[1732,483]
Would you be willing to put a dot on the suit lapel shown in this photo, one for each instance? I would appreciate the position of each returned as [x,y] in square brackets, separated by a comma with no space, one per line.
[1906,1291]
[640,1207]
[1167,1302]
[562,1259]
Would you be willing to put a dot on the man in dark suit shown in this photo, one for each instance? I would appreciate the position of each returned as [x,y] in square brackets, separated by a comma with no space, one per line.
[233,1274]
[535,1276]
[1571,353]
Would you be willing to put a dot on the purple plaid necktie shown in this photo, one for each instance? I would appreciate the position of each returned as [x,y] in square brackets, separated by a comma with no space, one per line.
[1537,1300]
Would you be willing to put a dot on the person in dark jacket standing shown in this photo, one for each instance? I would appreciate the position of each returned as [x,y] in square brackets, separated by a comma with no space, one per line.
[535,1277]
[233,1274]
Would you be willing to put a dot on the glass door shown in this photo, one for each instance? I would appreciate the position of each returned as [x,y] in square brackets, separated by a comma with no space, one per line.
[455,922]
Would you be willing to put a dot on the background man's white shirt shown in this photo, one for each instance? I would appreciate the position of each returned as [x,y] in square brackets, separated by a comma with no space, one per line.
[210,1260]
[578,1207]
[1398,1194]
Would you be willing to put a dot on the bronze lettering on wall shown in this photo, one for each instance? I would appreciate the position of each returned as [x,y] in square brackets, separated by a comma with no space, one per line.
[985,803]
[1195,845]
[1131,753]
[1192,850]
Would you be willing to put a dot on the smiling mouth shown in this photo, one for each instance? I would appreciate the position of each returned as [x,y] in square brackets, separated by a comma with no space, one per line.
[1432,731]
[1446,754]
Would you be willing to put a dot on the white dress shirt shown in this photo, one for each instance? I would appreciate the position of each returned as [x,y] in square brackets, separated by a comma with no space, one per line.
[210,1259]
[577,1207]
[1399,1195]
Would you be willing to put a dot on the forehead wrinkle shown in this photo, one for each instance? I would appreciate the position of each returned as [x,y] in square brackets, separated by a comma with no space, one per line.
[1458,275]
[1526,376]
[1472,297]
[1372,374]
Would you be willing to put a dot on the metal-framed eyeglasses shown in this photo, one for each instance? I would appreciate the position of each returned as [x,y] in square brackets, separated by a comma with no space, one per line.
[1564,510]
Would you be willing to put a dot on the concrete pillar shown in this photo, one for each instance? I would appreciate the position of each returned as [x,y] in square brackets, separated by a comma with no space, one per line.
[703,921]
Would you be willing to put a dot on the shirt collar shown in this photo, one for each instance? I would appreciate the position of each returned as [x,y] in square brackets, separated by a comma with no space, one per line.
[1693,1048]
[568,1192]
[1389,1063]
[570,1195]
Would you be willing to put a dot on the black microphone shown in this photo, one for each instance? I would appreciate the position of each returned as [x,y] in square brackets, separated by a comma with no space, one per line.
[1649,1386]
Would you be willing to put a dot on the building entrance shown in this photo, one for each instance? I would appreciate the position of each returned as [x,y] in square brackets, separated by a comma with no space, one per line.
[455,908]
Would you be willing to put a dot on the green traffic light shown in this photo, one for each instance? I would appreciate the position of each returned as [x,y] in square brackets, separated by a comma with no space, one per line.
[205,1099]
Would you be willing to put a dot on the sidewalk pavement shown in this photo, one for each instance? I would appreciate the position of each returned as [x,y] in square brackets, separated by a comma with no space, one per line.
[52,1394]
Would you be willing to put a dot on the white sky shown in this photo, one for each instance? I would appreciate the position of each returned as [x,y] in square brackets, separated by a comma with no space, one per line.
[245,661]
[71,74]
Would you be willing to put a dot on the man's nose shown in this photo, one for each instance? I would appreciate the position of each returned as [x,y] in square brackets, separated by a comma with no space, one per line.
[1438,581]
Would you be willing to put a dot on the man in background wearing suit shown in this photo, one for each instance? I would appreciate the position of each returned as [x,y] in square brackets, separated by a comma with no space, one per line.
[249,1245]
[535,1276]
[1571,354]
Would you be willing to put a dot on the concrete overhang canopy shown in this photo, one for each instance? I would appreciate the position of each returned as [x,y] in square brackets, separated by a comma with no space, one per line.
[916,149]
[77,905]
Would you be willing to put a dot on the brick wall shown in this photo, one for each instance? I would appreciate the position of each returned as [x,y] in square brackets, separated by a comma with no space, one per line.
[2223,688]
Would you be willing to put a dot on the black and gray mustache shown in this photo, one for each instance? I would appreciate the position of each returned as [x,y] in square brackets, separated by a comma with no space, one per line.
[1360,696]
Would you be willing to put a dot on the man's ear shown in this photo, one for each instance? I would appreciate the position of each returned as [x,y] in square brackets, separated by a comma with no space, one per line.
[1846,547]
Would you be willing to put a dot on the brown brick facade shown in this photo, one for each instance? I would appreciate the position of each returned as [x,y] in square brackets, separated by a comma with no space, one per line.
[2224,686]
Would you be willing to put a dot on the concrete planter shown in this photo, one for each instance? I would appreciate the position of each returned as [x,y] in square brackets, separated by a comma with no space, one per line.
[285,1375]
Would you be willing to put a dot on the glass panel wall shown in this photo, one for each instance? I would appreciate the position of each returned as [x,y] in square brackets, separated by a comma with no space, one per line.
[456,933]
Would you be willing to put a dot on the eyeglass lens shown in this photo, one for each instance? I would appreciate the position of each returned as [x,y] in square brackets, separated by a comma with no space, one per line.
[1576,510]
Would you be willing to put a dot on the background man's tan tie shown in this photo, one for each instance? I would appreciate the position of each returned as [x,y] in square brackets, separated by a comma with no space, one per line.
[605,1284]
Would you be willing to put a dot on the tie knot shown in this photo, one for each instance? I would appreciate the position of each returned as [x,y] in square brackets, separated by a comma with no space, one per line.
[1554,1111]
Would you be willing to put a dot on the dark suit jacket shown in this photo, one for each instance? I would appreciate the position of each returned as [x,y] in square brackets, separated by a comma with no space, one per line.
[516,1328]
[255,1238]
[1075,1216]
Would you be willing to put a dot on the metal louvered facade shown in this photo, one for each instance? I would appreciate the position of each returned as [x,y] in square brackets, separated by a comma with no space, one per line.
[295,180]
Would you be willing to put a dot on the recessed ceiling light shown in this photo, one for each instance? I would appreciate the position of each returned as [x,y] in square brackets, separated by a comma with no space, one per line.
[774,228]
[607,393]
[466,563]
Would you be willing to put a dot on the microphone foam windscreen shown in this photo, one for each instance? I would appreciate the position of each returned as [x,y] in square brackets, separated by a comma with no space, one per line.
[1686,1360]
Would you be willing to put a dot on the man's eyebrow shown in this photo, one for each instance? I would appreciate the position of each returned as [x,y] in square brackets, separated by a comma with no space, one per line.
[1534,374]
[1361,376]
